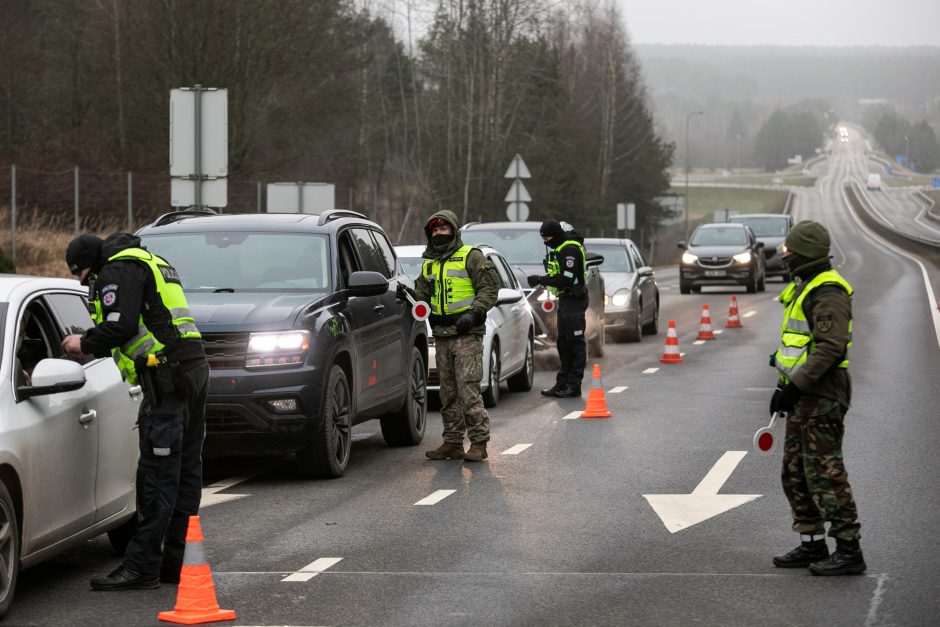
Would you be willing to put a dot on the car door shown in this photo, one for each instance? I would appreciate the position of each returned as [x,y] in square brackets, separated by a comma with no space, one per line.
[116,410]
[645,285]
[514,333]
[61,464]
[397,321]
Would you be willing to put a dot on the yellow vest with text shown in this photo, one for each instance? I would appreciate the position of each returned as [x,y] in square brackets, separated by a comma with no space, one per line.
[796,337]
[171,295]
[553,268]
[453,289]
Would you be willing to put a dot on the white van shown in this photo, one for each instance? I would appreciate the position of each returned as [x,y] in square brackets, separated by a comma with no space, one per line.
[874,181]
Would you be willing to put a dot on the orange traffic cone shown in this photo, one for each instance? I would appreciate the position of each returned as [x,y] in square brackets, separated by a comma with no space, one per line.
[195,597]
[705,327]
[734,321]
[671,354]
[596,406]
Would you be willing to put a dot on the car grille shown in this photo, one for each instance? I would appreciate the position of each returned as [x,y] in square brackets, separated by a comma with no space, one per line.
[225,350]
[224,420]
[714,262]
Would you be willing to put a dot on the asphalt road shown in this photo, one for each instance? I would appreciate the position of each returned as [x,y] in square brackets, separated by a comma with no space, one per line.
[561,532]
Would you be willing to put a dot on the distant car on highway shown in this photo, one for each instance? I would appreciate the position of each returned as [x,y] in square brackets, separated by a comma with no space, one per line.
[771,229]
[873,182]
[523,248]
[509,342]
[68,444]
[722,254]
[631,302]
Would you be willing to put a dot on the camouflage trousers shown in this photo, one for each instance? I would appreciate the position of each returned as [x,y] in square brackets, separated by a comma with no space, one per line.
[814,477]
[460,367]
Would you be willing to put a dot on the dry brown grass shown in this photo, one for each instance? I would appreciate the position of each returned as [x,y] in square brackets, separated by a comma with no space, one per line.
[41,240]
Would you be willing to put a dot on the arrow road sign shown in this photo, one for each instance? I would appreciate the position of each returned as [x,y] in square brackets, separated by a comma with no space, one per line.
[518,192]
[517,169]
[681,511]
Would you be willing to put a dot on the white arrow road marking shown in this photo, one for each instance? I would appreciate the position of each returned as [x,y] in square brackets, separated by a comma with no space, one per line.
[681,511]
[748,314]
[650,370]
[572,415]
[618,389]
[515,450]
[210,498]
[435,497]
[313,569]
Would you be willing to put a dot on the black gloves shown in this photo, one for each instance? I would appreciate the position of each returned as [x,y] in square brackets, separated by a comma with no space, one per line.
[533,280]
[402,290]
[465,322]
[785,398]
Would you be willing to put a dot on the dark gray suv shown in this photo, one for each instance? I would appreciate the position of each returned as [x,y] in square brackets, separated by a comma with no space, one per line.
[303,330]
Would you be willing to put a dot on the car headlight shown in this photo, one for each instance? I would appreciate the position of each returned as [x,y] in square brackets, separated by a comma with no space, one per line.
[744,257]
[620,298]
[279,348]
[688,258]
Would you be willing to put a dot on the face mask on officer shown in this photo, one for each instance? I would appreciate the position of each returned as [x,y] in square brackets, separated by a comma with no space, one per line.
[441,232]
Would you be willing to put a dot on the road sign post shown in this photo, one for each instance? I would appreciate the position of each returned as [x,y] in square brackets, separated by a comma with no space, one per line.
[517,197]
[199,147]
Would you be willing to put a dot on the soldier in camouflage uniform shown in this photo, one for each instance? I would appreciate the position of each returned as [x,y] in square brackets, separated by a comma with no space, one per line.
[815,390]
[461,285]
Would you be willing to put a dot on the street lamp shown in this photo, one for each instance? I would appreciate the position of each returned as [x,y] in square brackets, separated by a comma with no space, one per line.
[737,163]
[907,154]
[688,119]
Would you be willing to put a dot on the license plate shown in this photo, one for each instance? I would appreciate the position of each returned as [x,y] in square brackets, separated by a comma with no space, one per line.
[715,273]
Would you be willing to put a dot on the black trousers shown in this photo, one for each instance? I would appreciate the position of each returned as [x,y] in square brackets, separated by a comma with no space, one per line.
[572,346]
[169,474]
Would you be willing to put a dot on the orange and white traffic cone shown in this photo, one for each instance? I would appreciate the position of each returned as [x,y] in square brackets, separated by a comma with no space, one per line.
[705,327]
[734,320]
[671,354]
[596,406]
[195,597]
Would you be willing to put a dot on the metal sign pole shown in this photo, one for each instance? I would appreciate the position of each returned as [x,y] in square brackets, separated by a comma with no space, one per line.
[130,202]
[76,201]
[198,145]
[13,211]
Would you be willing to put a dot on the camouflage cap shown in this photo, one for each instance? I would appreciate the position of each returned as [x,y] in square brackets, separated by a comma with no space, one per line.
[808,239]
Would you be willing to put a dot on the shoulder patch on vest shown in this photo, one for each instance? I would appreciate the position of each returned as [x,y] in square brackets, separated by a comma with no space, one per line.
[170,275]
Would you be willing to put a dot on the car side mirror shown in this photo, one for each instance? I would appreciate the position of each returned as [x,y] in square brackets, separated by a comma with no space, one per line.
[366,283]
[592,260]
[51,376]
[682,244]
[645,271]
[508,296]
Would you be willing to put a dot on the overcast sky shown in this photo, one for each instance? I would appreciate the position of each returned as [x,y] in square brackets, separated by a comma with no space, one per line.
[784,22]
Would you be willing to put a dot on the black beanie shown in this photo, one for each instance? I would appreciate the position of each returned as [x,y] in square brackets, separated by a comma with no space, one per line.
[83,252]
[551,228]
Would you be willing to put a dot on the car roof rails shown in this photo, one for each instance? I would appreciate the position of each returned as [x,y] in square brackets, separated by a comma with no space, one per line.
[471,223]
[335,214]
[176,216]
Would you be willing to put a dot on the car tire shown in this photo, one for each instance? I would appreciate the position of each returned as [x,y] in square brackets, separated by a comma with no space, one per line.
[491,395]
[635,332]
[327,456]
[120,537]
[9,550]
[752,284]
[406,426]
[598,346]
[652,327]
[522,381]
[684,288]
[760,284]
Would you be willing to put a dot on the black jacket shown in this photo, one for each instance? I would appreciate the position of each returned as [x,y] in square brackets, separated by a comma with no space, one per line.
[570,278]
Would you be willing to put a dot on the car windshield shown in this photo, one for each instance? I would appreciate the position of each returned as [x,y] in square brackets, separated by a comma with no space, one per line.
[719,236]
[412,266]
[615,257]
[244,262]
[518,246]
[765,227]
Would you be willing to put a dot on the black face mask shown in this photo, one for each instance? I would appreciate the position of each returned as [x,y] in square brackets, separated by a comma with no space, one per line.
[441,240]
[795,261]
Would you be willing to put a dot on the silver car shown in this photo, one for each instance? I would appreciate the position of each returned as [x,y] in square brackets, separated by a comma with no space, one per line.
[509,343]
[631,299]
[68,449]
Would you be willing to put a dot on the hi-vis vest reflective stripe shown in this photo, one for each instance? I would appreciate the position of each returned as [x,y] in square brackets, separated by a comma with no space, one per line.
[553,267]
[171,294]
[796,337]
[453,289]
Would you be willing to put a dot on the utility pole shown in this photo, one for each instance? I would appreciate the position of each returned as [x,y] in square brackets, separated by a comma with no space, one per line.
[688,119]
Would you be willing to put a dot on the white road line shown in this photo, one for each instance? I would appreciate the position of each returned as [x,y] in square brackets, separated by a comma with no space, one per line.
[515,450]
[718,331]
[313,569]
[618,389]
[210,498]
[435,497]
[748,314]
[698,342]
[650,370]
[572,415]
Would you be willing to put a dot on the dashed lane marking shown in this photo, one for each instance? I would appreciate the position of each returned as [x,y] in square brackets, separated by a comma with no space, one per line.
[718,331]
[748,314]
[698,342]
[572,415]
[515,450]
[313,569]
[618,389]
[650,370]
[435,497]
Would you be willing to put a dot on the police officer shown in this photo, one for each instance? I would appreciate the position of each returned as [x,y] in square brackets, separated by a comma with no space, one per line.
[143,321]
[461,285]
[567,279]
[815,390]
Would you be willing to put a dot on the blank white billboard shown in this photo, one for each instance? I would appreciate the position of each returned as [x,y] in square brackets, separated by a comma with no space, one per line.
[214,132]
[314,198]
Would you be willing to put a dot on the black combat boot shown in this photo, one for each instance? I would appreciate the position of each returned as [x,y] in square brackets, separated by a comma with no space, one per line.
[847,559]
[551,391]
[802,556]
[569,391]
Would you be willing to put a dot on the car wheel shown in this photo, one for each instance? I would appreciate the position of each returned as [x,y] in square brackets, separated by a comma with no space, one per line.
[696,289]
[752,284]
[491,396]
[598,346]
[652,327]
[120,537]
[522,380]
[635,332]
[684,288]
[760,284]
[327,456]
[9,550]
[406,426]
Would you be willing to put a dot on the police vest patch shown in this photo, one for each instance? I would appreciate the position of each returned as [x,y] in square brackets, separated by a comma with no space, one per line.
[170,275]
[824,324]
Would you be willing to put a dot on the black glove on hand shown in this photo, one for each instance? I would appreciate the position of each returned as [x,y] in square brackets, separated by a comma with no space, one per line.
[402,291]
[785,398]
[775,401]
[533,280]
[465,322]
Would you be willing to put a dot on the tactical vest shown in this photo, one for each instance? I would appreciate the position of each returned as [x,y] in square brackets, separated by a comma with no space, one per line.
[553,266]
[171,295]
[796,337]
[453,289]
